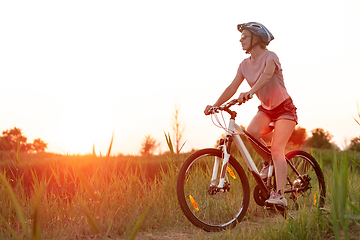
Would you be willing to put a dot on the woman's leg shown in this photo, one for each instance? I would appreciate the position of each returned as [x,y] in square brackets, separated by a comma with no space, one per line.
[258,127]
[282,132]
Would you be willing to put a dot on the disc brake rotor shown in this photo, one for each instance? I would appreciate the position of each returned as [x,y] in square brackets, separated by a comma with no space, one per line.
[218,193]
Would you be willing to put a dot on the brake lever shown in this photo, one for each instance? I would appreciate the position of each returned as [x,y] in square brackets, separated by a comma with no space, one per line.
[214,110]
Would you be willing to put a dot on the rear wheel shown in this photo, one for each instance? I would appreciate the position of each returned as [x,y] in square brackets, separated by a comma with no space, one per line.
[203,203]
[306,184]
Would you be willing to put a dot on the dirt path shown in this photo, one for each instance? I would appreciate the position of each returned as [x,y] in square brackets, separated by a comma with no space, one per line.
[195,233]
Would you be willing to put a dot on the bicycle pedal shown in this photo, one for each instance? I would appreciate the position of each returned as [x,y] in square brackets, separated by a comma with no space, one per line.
[275,207]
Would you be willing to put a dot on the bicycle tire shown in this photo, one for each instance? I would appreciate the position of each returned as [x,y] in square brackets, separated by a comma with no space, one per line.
[212,212]
[311,181]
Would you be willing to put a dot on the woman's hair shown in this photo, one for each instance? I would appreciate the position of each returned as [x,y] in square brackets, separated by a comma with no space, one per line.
[260,41]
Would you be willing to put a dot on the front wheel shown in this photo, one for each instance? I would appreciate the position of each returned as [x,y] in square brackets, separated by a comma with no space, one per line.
[203,203]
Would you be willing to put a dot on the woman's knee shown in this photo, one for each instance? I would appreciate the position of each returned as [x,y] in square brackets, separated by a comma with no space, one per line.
[259,126]
[277,154]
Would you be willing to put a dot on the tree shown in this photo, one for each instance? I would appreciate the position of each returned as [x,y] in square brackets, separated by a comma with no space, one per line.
[320,139]
[355,144]
[13,139]
[298,137]
[5,145]
[178,130]
[39,145]
[149,145]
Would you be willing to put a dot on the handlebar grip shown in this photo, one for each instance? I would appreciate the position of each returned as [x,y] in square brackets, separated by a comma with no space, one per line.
[233,102]
[212,110]
[225,107]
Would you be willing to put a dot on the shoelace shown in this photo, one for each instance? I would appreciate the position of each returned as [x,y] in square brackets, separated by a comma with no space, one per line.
[275,195]
[264,168]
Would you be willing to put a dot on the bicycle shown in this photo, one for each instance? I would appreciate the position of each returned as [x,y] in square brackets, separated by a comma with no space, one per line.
[213,189]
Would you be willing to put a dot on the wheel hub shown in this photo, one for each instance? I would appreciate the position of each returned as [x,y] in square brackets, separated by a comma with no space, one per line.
[302,182]
[218,193]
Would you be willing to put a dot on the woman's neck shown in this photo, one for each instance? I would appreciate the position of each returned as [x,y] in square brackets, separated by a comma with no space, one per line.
[256,52]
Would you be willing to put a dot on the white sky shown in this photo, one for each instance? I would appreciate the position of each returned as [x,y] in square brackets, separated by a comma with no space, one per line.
[72,72]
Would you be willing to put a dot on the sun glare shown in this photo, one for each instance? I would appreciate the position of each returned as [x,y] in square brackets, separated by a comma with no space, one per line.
[80,130]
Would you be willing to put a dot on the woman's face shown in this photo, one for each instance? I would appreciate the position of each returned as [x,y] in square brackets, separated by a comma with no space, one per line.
[245,39]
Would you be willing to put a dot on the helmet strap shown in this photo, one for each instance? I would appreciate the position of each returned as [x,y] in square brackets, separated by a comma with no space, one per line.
[251,44]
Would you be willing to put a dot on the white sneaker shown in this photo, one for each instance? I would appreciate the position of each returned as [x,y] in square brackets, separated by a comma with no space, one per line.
[264,171]
[277,199]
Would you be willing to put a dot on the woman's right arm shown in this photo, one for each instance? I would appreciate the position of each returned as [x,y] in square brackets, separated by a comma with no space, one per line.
[227,94]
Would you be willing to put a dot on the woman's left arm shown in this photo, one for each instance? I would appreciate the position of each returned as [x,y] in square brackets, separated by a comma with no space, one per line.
[261,82]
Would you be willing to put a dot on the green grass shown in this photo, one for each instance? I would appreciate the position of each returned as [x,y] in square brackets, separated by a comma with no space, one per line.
[123,197]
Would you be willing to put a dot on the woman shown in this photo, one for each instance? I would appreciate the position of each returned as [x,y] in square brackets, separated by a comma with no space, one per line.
[262,70]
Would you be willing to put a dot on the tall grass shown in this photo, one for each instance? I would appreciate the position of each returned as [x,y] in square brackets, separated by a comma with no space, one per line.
[102,197]
[89,196]
[339,196]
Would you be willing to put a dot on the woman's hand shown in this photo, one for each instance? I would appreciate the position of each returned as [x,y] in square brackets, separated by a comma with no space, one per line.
[245,96]
[207,109]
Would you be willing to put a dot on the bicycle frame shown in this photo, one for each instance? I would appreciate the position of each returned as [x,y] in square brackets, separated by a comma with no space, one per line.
[233,134]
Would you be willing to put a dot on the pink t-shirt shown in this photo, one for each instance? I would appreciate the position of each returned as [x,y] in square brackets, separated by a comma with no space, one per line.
[274,92]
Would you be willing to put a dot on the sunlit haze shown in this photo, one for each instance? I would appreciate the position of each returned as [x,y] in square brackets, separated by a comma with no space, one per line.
[75,72]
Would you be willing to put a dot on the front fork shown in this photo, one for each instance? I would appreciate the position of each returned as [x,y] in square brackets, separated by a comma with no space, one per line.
[224,146]
[225,161]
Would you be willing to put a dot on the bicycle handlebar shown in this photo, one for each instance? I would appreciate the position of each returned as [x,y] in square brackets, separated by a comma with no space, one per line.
[226,107]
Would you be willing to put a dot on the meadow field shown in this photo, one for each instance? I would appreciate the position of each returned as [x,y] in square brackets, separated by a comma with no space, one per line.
[51,196]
